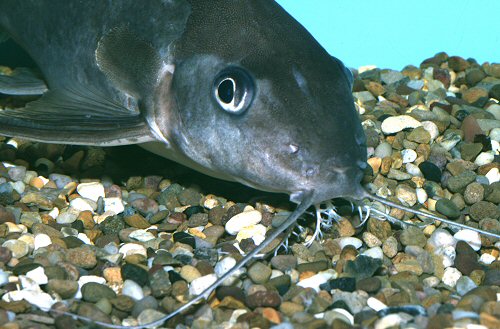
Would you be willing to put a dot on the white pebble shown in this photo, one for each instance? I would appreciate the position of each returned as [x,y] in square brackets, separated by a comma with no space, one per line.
[199,285]
[495,134]
[114,205]
[449,254]
[413,170]
[431,128]
[132,289]
[375,252]
[484,158]
[241,220]
[441,238]
[54,213]
[451,276]
[18,186]
[375,304]
[495,146]
[495,110]
[421,195]
[14,228]
[133,249]
[38,275]
[42,240]
[256,232]
[487,259]
[395,124]
[471,237]
[224,265]
[318,279]
[236,314]
[141,235]
[4,278]
[83,237]
[91,191]
[493,175]
[346,241]
[389,321]
[67,216]
[339,313]
[81,204]
[210,203]
[37,298]
[408,155]
[431,282]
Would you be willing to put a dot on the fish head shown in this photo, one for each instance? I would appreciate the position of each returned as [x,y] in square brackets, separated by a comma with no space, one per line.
[255,98]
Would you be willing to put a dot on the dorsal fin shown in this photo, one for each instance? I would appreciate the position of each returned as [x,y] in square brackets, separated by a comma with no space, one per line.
[130,63]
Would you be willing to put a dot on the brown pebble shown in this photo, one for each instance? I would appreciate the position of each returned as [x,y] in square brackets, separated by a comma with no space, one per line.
[137,221]
[87,219]
[271,314]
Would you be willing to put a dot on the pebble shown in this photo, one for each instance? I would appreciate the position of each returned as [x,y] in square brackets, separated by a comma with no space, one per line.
[93,292]
[408,155]
[263,299]
[447,208]
[242,220]
[92,191]
[431,128]
[484,158]
[451,276]
[132,249]
[395,124]
[375,252]
[17,248]
[189,273]
[197,286]
[83,257]
[383,150]
[413,236]
[259,273]
[66,289]
[471,237]
[132,289]
[430,171]
[441,238]
[255,232]
[317,280]
[349,241]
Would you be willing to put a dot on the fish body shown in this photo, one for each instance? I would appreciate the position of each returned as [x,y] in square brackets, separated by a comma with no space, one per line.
[235,89]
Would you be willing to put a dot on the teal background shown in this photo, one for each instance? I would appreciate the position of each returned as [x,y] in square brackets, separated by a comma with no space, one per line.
[394,33]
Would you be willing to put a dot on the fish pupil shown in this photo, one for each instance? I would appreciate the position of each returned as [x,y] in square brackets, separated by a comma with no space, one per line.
[226,91]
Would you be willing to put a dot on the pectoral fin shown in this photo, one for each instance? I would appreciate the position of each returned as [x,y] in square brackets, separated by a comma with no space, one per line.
[22,81]
[76,116]
[130,63]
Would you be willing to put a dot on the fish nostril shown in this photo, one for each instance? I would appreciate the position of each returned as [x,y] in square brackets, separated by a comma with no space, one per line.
[311,172]
[293,148]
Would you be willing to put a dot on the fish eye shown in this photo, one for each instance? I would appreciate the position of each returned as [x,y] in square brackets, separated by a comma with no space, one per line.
[234,90]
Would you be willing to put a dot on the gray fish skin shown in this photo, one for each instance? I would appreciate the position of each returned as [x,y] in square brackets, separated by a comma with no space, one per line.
[169,70]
